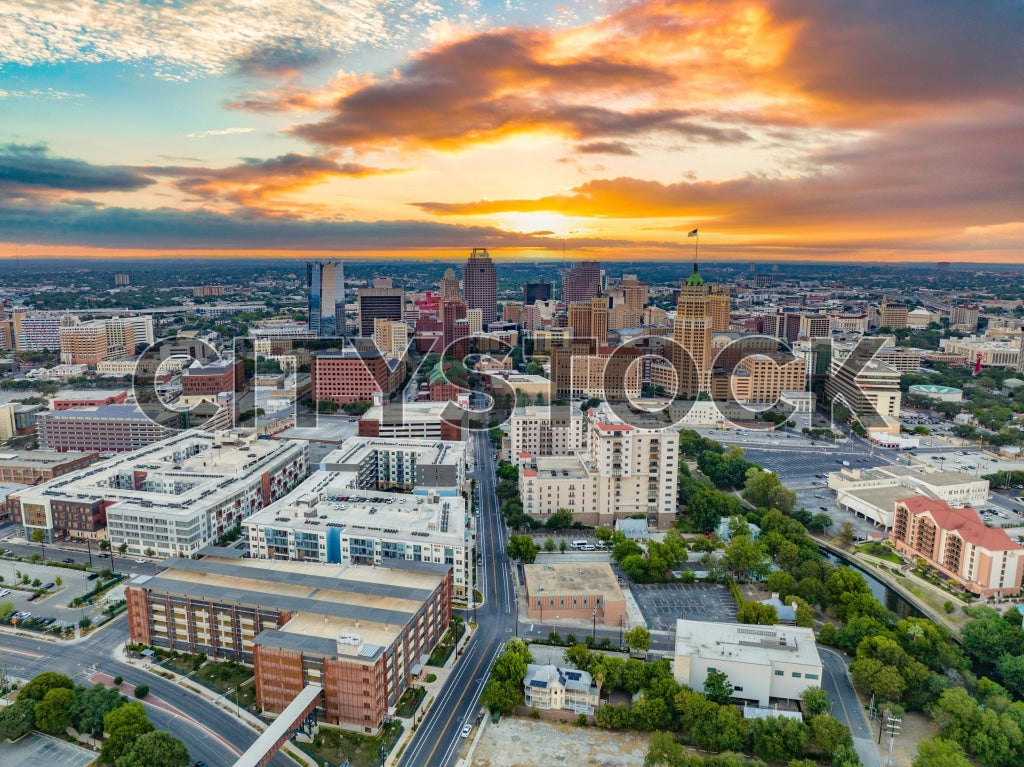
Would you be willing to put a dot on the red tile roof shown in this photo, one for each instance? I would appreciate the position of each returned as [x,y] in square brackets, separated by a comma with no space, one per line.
[523,454]
[530,473]
[964,522]
[613,426]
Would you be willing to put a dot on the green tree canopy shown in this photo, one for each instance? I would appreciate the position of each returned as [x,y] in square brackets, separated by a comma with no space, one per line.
[36,689]
[155,749]
[53,712]
[638,639]
[124,725]
[717,687]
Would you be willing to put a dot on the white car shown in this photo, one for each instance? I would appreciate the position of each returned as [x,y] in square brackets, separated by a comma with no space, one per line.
[140,561]
[465,730]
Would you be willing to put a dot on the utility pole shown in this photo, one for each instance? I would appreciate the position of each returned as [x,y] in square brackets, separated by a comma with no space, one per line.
[893,728]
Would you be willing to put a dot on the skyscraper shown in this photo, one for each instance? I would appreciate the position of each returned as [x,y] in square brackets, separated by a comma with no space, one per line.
[536,291]
[325,281]
[581,283]
[692,335]
[449,287]
[480,284]
[379,303]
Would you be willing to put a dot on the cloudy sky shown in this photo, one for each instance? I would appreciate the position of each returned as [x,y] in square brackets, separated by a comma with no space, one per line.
[815,129]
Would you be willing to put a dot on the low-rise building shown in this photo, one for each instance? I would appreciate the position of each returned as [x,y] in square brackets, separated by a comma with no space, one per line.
[551,688]
[579,591]
[763,663]
[70,399]
[105,429]
[171,498]
[361,633]
[955,542]
[328,518]
[213,378]
[31,467]
[415,420]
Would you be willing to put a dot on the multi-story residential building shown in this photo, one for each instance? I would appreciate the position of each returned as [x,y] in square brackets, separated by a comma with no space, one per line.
[868,387]
[352,376]
[329,519]
[590,319]
[547,430]
[402,465]
[391,337]
[37,331]
[871,493]
[122,278]
[964,316]
[105,429]
[360,633]
[379,303]
[172,498]
[763,663]
[982,560]
[213,378]
[325,281]
[625,471]
[480,284]
[719,302]
[893,315]
[89,343]
[581,283]
[815,326]
[415,420]
[31,467]
[551,688]
[205,291]
[762,378]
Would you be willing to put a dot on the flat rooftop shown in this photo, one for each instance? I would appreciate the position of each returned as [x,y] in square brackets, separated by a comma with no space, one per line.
[325,600]
[39,459]
[758,645]
[87,394]
[413,412]
[99,412]
[581,578]
[557,467]
[326,500]
[429,451]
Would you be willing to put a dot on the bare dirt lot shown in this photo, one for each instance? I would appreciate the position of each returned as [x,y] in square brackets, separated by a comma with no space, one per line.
[519,742]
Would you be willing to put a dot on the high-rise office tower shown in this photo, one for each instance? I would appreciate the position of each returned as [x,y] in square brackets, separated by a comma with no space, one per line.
[590,319]
[480,284]
[893,315]
[379,303]
[325,281]
[536,291]
[449,287]
[581,283]
[691,356]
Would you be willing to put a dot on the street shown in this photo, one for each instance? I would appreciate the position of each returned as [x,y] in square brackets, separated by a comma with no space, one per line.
[846,705]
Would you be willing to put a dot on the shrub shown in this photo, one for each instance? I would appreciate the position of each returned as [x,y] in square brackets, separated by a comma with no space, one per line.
[949,606]
[118,680]
[142,691]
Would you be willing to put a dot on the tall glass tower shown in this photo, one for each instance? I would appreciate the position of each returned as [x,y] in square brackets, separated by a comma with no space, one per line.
[325,281]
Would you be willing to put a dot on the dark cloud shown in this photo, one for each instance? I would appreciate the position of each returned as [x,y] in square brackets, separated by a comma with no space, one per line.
[605,147]
[501,83]
[279,58]
[32,168]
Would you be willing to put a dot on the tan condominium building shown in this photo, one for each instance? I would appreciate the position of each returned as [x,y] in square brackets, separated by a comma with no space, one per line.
[362,634]
[547,430]
[624,471]
[955,542]
[719,302]
[391,337]
[893,315]
[762,378]
[590,319]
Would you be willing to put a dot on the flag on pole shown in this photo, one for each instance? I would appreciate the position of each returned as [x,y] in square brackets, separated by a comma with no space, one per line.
[692,234]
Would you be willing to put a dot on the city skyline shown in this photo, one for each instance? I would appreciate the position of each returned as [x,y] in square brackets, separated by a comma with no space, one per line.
[783,130]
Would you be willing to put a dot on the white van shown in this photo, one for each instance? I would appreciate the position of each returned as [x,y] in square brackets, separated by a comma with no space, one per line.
[578,544]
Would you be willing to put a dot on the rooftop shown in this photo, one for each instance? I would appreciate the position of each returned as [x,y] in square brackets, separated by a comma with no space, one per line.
[757,645]
[964,522]
[576,578]
[99,412]
[39,459]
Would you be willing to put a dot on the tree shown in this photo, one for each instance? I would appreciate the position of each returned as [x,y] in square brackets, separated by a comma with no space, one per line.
[17,719]
[142,691]
[560,520]
[523,548]
[36,690]
[664,750]
[39,536]
[563,546]
[820,523]
[549,545]
[706,506]
[651,713]
[940,753]
[617,717]
[1011,671]
[872,677]
[122,549]
[828,734]
[579,656]
[765,490]
[155,749]
[778,739]
[746,558]
[815,701]
[506,489]
[502,696]
[91,705]
[717,687]
[53,712]
[780,582]
[638,639]
[124,725]
[847,532]
[757,613]
[84,622]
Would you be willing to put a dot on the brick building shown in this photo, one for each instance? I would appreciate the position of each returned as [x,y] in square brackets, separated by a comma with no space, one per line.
[349,376]
[214,378]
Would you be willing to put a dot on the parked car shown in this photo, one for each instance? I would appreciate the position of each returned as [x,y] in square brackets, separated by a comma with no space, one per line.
[140,561]
[49,585]
[92,576]
[68,561]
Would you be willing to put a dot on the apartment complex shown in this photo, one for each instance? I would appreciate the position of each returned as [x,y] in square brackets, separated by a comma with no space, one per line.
[547,430]
[353,376]
[580,591]
[31,467]
[401,465]
[89,343]
[172,498]
[590,319]
[964,316]
[361,633]
[955,542]
[391,337]
[624,471]
[37,331]
[480,284]
[763,663]
[329,519]
[105,429]
[762,378]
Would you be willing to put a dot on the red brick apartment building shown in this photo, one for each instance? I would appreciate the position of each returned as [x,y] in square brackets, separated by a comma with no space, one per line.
[350,376]
[362,633]
[983,560]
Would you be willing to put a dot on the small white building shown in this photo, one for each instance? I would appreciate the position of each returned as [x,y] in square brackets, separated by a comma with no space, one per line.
[763,663]
[554,688]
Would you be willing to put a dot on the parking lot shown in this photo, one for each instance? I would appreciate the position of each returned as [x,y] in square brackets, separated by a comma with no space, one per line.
[54,603]
[664,603]
[36,749]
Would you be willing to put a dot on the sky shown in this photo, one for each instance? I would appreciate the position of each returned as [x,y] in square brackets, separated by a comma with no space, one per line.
[781,129]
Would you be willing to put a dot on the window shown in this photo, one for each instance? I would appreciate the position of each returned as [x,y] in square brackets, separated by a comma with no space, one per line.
[737,689]
[779,672]
[796,674]
[810,676]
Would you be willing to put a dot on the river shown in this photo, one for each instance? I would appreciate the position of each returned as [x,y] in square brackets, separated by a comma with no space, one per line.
[891,599]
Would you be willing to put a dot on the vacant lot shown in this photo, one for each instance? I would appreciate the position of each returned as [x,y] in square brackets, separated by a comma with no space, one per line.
[516,742]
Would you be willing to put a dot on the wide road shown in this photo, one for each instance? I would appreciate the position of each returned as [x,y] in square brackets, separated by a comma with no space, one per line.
[846,705]
[26,657]
[438,738]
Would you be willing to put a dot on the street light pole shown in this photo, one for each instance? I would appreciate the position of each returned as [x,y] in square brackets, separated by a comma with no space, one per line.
[593,634]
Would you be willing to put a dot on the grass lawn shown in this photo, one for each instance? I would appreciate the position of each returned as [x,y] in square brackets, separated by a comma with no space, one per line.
[183,664]
[409,701]
[882,552]
[440,653]
[334,746]
[225,676]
